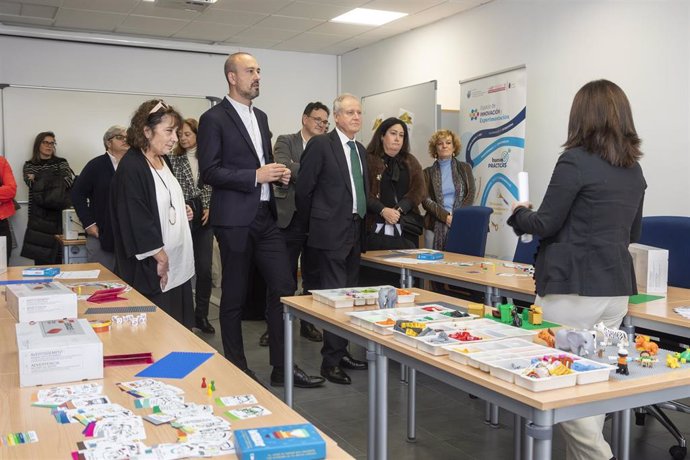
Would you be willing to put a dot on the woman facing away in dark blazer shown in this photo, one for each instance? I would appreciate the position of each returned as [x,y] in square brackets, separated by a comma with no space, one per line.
[591,212]
[450,185]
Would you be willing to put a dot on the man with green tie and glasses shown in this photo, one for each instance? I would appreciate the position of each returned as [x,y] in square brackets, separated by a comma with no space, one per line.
[331,205]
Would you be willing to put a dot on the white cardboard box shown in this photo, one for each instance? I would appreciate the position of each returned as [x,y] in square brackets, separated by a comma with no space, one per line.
[58,352]
[41,301]
[3,253]
[651,268]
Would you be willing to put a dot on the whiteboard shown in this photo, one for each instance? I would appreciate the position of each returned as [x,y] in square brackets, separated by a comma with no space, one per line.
[79,118]
[419,101]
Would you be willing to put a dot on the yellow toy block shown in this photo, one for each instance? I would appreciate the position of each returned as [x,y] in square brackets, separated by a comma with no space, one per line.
[535,315]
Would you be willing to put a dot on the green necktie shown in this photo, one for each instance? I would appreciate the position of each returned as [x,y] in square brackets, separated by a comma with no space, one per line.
[358,179]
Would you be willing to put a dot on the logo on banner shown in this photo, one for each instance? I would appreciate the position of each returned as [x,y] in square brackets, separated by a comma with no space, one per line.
[500,161]
[474,114]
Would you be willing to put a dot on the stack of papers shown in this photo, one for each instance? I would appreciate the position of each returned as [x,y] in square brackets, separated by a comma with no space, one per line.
[683,311]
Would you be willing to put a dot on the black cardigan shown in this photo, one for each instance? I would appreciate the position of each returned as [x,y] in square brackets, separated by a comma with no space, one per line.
[93,184]
[136,224]
[591,212]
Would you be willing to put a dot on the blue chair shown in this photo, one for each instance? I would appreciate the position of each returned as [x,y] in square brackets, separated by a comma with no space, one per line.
[672,233]
[526,253]
[468,232]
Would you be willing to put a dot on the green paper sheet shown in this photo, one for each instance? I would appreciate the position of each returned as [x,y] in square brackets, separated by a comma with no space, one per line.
[643,298]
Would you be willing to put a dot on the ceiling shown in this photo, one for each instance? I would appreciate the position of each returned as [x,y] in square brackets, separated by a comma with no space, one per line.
[286,25]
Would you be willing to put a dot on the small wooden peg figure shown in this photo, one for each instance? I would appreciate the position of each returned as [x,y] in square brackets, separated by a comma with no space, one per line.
[203,382]
[622,361]
[213,385]
[209,391]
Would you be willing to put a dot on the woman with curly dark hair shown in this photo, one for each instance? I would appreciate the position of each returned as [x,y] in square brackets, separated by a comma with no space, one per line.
[153,241]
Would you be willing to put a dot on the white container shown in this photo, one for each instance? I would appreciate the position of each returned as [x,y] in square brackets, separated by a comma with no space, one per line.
[651,268]
[601,374]
[426,345]
[41,301]
[546,383]
[58,352]
[505,369]
[406,339]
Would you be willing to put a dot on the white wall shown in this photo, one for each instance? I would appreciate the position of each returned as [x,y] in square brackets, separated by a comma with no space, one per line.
[643,46]
[289,81]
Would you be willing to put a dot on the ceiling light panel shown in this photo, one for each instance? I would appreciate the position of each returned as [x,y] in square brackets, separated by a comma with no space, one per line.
[369,17]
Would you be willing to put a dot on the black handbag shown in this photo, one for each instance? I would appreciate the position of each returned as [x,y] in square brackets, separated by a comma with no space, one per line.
[412,223]
[197,209]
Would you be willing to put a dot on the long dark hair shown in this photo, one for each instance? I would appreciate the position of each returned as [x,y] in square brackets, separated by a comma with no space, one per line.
[36,153]
[601,122]
[375,146]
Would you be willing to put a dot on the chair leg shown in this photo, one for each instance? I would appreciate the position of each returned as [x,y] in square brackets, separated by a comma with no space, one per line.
[677,452]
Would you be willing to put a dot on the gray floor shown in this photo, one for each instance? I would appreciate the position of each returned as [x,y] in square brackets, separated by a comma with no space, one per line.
[449,423]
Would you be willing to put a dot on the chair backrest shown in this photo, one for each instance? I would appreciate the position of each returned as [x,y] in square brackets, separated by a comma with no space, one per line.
[672,233]
[525,253]
[467,234]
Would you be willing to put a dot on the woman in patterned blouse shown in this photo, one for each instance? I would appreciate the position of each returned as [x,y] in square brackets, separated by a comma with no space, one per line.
[185,166]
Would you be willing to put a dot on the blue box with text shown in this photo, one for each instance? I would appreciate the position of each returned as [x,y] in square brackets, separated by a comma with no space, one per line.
[280,443]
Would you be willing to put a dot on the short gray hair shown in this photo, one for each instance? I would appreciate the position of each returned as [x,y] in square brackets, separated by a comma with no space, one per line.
[112,132]
[338,102]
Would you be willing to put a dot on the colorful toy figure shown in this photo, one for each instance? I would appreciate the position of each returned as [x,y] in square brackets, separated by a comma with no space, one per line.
[506,310]
[672,361]
[203,382]
[517,320]
[683,357]
[612,336]
[546,336]
[535,315]
[644,343]
[213,385]
[622,361]
[646,359]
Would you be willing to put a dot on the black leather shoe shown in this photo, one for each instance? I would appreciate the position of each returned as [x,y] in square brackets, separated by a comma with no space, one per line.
[263,340]
[335,374]
[309,332]
[301,379]
[204,326]
[348,362]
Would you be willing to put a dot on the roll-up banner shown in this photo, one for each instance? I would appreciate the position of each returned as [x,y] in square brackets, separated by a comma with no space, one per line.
[493,112]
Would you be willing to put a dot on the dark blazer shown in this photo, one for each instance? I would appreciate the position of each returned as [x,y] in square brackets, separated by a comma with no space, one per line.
[228,163]
[591,212]
[288,151]
[324,193]
[136,224]
[91,198]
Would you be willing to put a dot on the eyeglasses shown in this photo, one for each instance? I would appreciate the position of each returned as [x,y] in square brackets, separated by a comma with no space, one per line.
[157,107]
[319,121]
[49,143]
[119,137]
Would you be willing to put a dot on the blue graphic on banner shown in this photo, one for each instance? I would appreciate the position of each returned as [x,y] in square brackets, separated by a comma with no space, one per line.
[499,179]
[497,144]
[493,132]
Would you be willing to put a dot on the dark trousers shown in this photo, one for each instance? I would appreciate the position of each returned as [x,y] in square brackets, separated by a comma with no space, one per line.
[295,239]
[263,244]
[202,238]
[177,302]
[5,231]
[339,268]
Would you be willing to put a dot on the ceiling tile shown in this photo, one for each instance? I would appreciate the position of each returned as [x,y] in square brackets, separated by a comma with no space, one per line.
[311,41]
[289,23]
[263,6]
[88,20]
[266,33]
[429,16]
[347,45]
[208,31]
[150,26]
[314,10]
[56,3]
[150,9]
[335,28]
[12,8]
[20,20]
[39,11]
[240,18]
[110,6]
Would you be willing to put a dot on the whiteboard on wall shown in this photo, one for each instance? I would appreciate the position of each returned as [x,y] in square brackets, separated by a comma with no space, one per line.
[79,118]
[418,102]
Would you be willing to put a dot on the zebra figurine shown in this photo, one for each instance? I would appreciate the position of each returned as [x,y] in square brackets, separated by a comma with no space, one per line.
[612,336]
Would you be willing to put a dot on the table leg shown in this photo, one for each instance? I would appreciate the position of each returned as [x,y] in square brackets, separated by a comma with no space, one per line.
[494,416]
[411,405]
[517,436]
[628,328]
[624,437]
[615,432]
[541,431]
[381,404]
[371,439]
[527,442]
[410,278]
[403,277]
[403,373]
[289,381]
